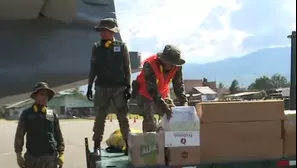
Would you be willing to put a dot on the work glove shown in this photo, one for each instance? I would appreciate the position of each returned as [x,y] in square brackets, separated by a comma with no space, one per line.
[167,110]
[60,160]
[127,93]
[20,160]
[90,93]
[135,89]
[185,104]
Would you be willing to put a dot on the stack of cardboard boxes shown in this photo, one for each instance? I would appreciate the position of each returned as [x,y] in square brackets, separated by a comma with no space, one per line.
[182,137]
[224,132]
[238,131]
[177,144]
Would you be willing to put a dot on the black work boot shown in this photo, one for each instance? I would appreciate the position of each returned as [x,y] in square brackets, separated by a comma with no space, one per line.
[96,155]
[126,150]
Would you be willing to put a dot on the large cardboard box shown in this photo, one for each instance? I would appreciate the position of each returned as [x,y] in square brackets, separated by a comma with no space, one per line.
[146,149]
[183,156]
[290,134]
[240,141]
[240,111]
[244,131]
[214,151]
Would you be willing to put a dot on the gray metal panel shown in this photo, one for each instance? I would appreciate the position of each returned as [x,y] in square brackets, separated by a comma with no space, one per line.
[293,72]
[49,50]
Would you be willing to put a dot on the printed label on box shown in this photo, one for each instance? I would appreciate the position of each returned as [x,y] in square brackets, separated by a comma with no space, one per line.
[182,138]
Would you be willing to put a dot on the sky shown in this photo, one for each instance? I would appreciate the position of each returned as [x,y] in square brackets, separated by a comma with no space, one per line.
[205,31]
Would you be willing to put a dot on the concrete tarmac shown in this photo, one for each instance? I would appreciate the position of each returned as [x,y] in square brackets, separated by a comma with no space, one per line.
[74,132]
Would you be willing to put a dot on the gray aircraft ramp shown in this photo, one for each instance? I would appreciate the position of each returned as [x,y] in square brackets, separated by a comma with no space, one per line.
[48,41]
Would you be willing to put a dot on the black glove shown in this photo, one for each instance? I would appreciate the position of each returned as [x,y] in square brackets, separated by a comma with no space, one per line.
[165,108]
[168,111]
[135,89]
[90,93]
[127,93]
[20,160]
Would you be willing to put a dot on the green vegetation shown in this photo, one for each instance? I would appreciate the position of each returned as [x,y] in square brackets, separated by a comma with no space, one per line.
[234,87]
[261,83]
[265,83]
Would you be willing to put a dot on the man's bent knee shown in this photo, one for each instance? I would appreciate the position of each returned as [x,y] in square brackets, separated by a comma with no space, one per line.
[149,125]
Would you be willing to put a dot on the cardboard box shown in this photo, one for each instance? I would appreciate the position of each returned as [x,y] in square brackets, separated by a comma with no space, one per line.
[240,111]
[63,11]
[182,156]
[290,122]
[240,141]
[214,150]
[244,131]
[289,146]
[290,134]
[146,149]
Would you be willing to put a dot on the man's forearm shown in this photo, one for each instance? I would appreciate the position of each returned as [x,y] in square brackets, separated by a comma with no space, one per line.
[92,76]
[179,88]
[152,88]
[180,94]
[159,101]
[59,137]
[150,80]
[127,66]
[92,71]
[19,136]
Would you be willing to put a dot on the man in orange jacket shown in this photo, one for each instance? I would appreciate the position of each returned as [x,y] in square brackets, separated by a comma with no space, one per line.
[151,88]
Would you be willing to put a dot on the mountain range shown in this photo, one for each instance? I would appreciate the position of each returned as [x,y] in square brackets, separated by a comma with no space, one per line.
[245,69]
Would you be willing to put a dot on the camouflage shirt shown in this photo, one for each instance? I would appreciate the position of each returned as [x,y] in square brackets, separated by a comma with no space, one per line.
[22,129]
[123,50]
[177,81]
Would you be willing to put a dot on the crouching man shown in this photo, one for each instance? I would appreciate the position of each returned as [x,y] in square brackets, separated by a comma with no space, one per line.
[151,88]
[44,140]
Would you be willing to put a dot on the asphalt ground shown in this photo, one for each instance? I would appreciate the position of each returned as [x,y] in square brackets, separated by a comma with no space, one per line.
[74,132]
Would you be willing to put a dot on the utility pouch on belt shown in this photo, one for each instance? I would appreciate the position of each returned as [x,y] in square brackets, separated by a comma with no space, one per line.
[135,89]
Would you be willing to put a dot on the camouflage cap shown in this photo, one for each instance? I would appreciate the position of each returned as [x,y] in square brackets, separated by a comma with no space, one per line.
[107,24]
[42,86]
[171,55]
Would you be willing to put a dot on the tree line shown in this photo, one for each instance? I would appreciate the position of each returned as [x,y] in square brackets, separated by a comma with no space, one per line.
[261,83]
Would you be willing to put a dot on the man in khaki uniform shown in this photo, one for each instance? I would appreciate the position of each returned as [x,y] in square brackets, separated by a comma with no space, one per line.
[44,143]
[110,65]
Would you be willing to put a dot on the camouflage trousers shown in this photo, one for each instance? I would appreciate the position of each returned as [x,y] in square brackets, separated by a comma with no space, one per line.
[104,97]
[148,109]
[46,161]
